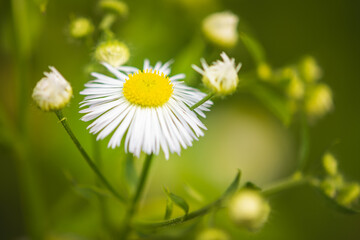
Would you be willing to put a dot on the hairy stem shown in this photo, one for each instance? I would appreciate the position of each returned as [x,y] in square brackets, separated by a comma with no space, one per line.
[87,158]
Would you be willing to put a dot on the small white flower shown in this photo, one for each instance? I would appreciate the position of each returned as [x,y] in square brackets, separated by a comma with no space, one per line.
[148,110]
[222,76]
[52,92]
[220,28]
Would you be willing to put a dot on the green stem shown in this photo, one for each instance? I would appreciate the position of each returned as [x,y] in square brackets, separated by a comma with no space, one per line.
[139,189]
[304,143]
[286,184]
[87,158]
[207,97]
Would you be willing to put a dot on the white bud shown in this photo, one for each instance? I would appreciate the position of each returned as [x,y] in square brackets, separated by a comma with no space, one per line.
[249,209]
[222,76]
[112,52]
[52,92]
[221,29]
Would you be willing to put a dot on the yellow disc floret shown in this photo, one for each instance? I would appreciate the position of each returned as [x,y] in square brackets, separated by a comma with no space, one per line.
[148,88]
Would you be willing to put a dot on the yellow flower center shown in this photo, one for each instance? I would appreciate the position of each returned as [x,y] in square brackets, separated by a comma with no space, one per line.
[148,89]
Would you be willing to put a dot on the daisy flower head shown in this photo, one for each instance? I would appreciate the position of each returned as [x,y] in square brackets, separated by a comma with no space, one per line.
[222,76]
[147,109]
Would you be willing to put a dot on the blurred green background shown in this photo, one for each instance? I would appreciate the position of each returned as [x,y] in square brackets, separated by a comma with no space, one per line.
[241,133]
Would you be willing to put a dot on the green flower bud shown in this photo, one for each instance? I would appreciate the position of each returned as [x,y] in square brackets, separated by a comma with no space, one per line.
[264,71]
[118,7]
[81,27]
[318,101]
[52,92]
[221,29]
[212,234]
[348,194]
[310,70]
[330,164]
[295,88]
[249,209]
[112,52]
[331,184]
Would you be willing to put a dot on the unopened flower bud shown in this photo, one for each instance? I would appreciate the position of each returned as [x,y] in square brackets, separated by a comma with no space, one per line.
[249,209]
[116,6]
[295,88]
[112,52]
[310,70]
[52,92]
[331,184]
[81,27]
[212,234]
[348,194]
[318,101]
[264,71]
[222,76]
[221,29]
[330,164]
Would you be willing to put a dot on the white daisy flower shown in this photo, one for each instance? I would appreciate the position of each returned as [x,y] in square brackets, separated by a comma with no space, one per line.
[146,108]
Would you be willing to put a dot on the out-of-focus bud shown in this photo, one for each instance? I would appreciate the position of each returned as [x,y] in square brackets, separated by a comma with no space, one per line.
[222,76]
[212,234]
[318,101]
[310,70]
[264,71]
[115,6]
[330,164]
[348,194]
[295,88]
[81,27]
[221,29]
[249,209]
[331,184]
[112,52]
[52,92]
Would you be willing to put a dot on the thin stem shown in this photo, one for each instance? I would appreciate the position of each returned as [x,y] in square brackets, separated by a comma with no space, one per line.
[139,189]
[304,143]
[87,158]
[207,97]
[285,184]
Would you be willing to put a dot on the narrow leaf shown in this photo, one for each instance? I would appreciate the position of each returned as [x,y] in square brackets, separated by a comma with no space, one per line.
[233,186]
[130,172]
[169,208]
[252,186]
[179,201]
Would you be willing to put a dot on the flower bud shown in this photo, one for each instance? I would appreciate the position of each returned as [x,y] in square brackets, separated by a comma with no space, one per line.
[249,209]
[118,7]
[318,101]
[264,71]
[330,164]
[52,92]
[112,52]
[310,70]
[295,88]
[221,29]
[222,76]
[212,234]
[348,194]
[331,184]
[81,27]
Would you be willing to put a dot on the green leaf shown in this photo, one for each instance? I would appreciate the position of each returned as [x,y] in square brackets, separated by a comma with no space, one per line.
[193,193]
[252,186]
[233,186]
[179,201]
[332,202]
[273,101]
[254,48]
[169,208]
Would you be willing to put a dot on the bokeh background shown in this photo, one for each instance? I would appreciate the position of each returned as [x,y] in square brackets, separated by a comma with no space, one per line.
[242,132]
